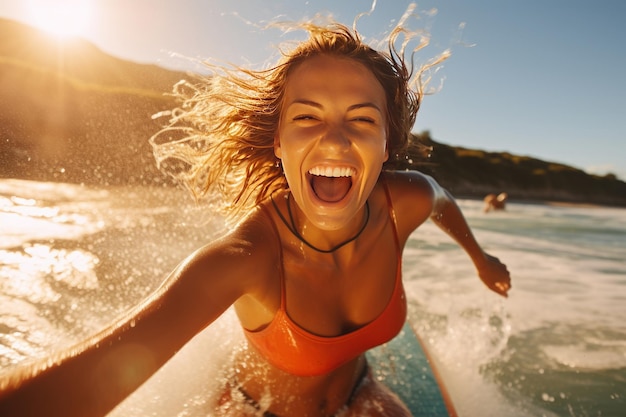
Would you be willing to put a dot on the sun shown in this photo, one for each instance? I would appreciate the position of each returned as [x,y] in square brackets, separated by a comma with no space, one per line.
[62,18]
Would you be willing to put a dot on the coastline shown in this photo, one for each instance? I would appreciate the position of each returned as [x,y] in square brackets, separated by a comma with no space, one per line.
[542,202]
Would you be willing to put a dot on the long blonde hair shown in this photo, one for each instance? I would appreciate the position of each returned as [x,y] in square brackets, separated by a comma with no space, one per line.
[221,137]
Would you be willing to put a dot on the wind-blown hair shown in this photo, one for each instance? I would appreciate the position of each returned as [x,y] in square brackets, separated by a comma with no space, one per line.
[221,137]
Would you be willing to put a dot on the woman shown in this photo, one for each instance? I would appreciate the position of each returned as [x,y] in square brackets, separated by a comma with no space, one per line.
[313,264]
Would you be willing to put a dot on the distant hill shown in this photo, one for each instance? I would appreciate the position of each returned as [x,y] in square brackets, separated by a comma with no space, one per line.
[69,112]
[475,173]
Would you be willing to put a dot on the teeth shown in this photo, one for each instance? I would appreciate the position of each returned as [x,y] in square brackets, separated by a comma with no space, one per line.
[332,171]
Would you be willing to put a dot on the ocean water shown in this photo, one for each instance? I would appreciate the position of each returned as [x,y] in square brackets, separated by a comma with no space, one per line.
[72,258]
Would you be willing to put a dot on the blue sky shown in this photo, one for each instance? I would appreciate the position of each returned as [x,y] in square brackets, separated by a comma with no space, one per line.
[544,78]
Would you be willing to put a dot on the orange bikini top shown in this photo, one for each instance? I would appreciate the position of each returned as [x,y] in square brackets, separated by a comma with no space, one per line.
[289,347]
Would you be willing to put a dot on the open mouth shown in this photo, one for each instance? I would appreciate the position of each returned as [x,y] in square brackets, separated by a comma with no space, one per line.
[331,184]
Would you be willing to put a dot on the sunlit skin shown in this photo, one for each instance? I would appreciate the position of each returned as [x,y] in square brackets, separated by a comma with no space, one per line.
[333,118]
[332,115]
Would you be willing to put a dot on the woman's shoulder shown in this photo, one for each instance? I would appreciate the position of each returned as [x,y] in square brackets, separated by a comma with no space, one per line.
[410,186]
[247,251]
[257,232]
[411,194]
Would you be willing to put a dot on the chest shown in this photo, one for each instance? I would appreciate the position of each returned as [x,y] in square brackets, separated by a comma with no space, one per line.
[329,298]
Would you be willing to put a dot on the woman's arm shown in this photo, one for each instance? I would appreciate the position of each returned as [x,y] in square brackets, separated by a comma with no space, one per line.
[91,378]
[422,197]
[447,215]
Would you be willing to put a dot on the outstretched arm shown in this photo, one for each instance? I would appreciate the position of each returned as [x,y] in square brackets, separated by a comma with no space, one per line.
[418,197]
[448,216]
[94,376]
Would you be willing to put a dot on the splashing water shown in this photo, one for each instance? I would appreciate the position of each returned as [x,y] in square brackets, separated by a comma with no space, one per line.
[74,258]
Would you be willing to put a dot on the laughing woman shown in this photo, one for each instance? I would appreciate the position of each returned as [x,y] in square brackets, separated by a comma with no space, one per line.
[300,153]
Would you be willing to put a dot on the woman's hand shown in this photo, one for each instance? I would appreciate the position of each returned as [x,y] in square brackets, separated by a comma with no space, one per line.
[495,275]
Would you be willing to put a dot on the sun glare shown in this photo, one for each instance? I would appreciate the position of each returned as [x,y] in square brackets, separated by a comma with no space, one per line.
[61,17]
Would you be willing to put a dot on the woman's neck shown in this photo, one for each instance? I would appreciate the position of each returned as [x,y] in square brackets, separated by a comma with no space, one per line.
[321,240]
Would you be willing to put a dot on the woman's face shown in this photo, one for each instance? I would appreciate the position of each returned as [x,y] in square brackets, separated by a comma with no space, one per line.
[332,138]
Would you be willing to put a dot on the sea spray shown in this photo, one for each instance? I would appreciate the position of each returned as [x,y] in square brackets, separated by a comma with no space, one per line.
[555,347]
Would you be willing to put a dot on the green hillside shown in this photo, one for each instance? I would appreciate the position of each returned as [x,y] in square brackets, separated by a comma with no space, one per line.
[475,173]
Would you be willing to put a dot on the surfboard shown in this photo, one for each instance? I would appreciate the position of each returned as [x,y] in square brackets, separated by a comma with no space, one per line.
[185,384]
[405,366]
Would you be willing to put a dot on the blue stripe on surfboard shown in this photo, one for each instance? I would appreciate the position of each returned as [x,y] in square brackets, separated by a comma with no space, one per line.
[403,366]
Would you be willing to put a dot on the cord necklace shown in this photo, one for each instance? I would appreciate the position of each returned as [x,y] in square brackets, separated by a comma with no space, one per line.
[292,227]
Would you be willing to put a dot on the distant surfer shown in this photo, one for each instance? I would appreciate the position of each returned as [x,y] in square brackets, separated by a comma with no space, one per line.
[495,202]
[302,154]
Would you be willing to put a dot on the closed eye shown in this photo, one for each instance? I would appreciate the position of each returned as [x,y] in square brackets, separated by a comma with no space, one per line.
[364,119]
[305,117]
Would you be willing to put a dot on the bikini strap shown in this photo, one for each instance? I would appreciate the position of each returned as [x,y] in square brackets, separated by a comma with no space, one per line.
[283,290]
[392,213]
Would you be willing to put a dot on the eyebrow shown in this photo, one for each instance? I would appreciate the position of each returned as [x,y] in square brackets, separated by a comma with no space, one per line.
[352,107]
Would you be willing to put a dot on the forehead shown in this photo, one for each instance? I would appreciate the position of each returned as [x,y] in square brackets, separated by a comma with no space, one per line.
[339,77]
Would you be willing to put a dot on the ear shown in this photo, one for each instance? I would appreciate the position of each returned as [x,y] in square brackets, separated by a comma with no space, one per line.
[386,149]
[277,150]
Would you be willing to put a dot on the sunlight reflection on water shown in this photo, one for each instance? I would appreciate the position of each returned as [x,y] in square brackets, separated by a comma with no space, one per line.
[73,258]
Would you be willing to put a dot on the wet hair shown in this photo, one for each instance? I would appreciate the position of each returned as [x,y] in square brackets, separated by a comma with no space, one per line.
[221,138]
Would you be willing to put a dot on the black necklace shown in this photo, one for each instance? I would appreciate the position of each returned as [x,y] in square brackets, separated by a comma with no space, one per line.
[292,226]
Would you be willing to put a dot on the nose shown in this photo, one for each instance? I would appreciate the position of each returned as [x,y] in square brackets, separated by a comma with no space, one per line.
[335,139]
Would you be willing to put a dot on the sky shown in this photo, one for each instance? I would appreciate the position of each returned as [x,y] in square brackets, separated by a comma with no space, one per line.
[540,78]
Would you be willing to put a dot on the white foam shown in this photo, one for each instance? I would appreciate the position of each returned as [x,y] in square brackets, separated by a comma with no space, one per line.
[583,357]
